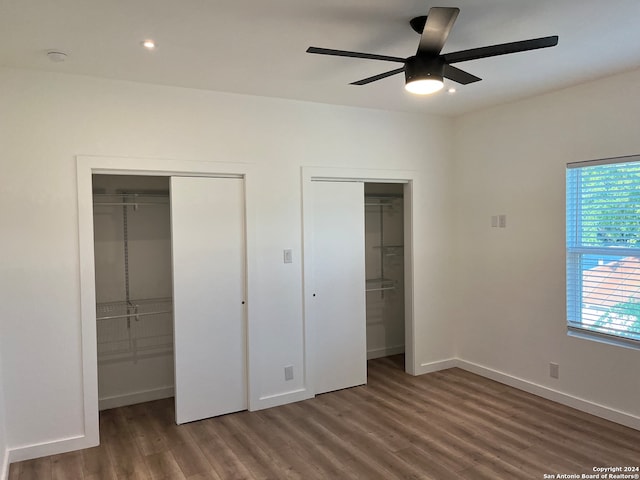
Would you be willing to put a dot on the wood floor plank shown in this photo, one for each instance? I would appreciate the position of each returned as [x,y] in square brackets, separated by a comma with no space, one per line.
[286,456]
[224,461]
[126,459]
[113,423]
[365,447]
[163,420]
[448,425]
[442,425]
[432,440]
[163,466]
[552,459]
[351,462]
[494,430]
[14,471]
[100,476]
[210,475]
[148,436]
[37,469]
[355,458]
[223,458]
[96,463]
[426,463]
[253,456]
[374,421]
[316,452]
[190,458]
[67,466]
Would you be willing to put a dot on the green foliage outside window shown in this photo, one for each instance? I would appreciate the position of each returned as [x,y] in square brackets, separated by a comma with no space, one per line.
[610,205]
[625,316]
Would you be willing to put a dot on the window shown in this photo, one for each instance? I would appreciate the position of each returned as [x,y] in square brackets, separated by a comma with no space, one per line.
[603,249]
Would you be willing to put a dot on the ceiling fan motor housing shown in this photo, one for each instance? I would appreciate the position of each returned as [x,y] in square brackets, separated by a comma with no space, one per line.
[421,68]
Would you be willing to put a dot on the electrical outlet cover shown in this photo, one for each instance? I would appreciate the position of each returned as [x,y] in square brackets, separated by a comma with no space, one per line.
[288,372]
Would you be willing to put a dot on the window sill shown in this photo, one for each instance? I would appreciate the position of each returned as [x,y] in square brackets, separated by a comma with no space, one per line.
[603,338]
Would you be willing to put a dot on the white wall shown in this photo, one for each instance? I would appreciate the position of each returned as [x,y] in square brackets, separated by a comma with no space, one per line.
[511,160]
[47,119]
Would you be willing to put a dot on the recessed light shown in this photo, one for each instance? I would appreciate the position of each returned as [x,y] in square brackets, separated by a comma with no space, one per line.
[452,90]
[56,56]
[149,44]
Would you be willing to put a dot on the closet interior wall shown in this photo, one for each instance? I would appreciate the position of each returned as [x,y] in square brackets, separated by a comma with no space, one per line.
[132,240]
[384,263]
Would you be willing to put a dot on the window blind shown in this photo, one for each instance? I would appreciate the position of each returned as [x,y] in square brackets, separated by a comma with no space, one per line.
[603,247]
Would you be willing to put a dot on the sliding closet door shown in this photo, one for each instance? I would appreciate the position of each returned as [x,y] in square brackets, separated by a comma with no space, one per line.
[339,315]
[207,223]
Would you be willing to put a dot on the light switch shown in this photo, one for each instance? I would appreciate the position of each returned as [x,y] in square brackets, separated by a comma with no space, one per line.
[494,220]
[288,256]
[502,221]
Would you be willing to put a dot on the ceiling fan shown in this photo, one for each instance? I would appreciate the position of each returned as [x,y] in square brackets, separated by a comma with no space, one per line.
[424,71]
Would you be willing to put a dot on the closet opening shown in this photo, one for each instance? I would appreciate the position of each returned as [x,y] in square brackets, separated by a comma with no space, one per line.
[358,274]
[384,269]
[133,288]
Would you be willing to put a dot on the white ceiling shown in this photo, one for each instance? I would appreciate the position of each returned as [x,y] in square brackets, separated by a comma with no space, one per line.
[258,47]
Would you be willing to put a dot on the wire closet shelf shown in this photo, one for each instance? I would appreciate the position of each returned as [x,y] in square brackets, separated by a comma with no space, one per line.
[132,329]
[381,202]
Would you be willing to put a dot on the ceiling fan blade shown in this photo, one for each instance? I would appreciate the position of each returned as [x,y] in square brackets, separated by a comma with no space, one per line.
[380,76]
[501,49]
[345,53]
[459,76]
[440,20]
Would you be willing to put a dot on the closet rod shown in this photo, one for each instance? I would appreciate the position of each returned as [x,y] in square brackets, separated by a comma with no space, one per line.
[381,200]
[378,204]
[384,196]
[129,204]
[156,195]
[128,315]
[135,302]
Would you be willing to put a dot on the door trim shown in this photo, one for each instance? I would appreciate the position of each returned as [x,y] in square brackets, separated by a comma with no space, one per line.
[336,174]
[86,166]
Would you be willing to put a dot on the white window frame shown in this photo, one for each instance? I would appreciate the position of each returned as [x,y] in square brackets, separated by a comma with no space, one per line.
[574,252]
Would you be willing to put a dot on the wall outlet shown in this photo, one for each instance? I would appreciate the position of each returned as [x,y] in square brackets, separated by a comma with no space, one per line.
[288,372]
[554,370]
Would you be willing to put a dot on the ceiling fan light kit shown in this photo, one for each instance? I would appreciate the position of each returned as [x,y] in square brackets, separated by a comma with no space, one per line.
[426,70]
[423,76]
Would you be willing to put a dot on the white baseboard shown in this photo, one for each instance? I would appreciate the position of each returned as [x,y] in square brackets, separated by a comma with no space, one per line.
[581,404]
[431,367]
[135,397]
[54,447]
[269,401]
[384,352]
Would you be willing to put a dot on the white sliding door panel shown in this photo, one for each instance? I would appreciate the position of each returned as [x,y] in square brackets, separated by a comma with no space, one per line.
[208,250]
[338,258]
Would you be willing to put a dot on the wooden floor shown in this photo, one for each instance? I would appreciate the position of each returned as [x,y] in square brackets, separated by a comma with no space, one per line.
[447,425]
